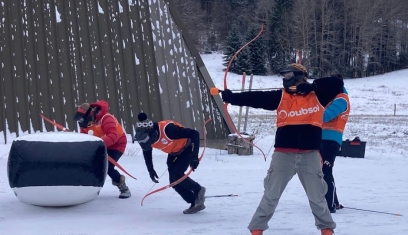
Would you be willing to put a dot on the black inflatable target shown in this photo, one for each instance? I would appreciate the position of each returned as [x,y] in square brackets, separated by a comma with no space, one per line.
[57,169]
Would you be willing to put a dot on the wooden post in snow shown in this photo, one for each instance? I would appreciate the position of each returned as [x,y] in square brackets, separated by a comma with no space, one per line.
[247,108]
[240,108]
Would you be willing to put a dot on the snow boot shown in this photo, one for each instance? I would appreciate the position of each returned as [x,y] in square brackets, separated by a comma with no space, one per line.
[327,231]
[123,188]
[200,197]
[194,209]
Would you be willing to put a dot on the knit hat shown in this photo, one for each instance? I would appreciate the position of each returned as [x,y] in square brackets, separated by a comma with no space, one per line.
[82,108]
[144,123]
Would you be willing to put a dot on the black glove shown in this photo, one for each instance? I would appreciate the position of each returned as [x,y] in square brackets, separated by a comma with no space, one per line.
[305,88]
[226,96]
[194,163]
[153,175]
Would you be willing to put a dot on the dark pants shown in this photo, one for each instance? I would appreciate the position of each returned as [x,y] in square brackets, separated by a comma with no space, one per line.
[112,172]
[177,165]
[328,150]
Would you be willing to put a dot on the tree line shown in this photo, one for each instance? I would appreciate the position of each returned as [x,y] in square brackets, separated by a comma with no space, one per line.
[356,38]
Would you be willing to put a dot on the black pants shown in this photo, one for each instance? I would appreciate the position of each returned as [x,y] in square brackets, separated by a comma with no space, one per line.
[328,150]
[177,165]
[112,172]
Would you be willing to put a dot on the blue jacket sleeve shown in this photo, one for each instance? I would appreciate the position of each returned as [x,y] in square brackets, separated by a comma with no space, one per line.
[338,106]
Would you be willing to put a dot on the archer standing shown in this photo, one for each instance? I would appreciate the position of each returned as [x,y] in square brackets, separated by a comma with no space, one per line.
[182,146]
[335,119]
[94,119]
[299,123]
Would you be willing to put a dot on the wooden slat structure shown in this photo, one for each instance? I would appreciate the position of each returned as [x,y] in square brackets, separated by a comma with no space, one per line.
[137,55]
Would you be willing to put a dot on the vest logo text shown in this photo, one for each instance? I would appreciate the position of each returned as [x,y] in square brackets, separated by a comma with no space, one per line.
[300,112]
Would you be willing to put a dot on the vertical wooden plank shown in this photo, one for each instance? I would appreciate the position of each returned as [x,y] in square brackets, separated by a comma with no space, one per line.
[75,53]
[34,102]
[20,61]
[165,64]
[41,61]
[108,55]
[10,96]
[150,88]
[120,103]
[129,94]
[85,52]
[67,92]
[53,77]
[143,62]
[3,41]
[96,50]
[131,62]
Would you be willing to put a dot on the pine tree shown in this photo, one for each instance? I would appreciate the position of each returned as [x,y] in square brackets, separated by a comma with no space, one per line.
[232,44]
[243,62]
[403,59]
[257,53]
[278,53]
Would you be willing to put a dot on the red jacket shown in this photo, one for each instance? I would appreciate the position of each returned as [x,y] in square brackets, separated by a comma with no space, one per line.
[111,138]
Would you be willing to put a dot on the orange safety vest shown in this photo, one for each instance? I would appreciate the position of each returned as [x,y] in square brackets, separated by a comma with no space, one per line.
[299,110]
[164,143]
[96,129]
[339,123]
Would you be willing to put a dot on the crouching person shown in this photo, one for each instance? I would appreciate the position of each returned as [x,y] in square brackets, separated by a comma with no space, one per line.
[182,146]
[94,119]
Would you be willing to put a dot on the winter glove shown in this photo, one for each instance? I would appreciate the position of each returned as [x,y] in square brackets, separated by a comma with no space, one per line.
[226,96]
[305,88]
[194,163]
[153,176]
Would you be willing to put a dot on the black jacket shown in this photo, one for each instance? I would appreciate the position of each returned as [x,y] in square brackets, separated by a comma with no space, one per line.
[174,132]
[305,137]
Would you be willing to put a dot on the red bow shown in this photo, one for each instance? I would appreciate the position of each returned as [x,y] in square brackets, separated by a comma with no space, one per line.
[228,117]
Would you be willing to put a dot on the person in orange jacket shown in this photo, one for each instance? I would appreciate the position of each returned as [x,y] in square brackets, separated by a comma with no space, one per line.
[335,118]
[182,145]
[94,119]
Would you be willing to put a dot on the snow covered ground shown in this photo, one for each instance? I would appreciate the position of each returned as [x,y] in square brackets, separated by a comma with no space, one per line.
[377,182]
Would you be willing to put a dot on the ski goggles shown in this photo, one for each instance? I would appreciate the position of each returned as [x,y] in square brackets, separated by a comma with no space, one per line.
[291,74]
[79,117]
[288,75]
